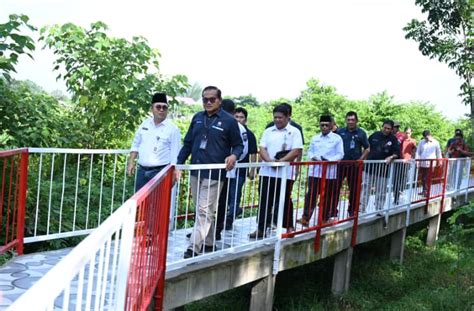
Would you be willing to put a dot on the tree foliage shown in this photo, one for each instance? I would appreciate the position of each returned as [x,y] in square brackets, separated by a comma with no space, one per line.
[246,101]
[111,79]
[448,35]
[13,43]
[30,117]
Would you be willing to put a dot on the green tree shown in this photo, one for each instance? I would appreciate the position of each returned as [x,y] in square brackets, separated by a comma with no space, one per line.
[111,79]
[246,100]
[29,117]
[194,91]
[13,43]
[447,34]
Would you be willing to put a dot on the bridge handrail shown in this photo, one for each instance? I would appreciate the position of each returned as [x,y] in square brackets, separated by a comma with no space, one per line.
[45,291]
[130,252]
[13,189]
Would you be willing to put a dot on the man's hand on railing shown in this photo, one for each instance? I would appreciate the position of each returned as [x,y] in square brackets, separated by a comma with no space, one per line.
[131,168]
[389,159]
[177,175]
[230,162]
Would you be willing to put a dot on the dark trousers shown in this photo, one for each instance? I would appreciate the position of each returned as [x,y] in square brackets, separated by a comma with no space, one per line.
[145,175]
[269,199]
[424,172]
[221,208]
[351,172]
[400,179]
[329,199]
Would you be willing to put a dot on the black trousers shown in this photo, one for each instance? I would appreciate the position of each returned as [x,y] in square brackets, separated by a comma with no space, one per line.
[351,172]
[221,208]
[269,199]
[329,199]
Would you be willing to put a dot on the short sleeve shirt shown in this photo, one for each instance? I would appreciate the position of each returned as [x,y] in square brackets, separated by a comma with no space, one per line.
[353,141]
[275,140]
[382,146]
[157,144]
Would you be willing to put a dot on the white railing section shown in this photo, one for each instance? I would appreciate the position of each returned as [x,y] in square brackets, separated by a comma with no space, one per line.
[95,272]
[72,191]
[93,276]
[229,228]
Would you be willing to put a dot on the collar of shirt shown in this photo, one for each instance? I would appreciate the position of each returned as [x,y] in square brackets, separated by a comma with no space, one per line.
[328,135]
[219,113]
[286,128]
[151,122]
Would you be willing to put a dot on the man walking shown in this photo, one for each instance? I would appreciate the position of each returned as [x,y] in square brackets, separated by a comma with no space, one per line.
[428,149]
[281,142]
[227,195]
[326,146]
[383,146]
[156,143]
[356,147]
[213,137]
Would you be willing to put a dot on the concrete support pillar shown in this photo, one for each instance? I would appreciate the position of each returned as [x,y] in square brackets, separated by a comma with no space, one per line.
[262,294]
[397,245]
[342,272]
[433,230]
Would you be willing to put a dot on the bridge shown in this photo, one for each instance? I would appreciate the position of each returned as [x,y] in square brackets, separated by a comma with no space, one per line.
[130,254]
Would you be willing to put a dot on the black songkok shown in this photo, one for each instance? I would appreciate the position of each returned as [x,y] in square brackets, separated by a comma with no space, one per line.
[325,118]
[159,98]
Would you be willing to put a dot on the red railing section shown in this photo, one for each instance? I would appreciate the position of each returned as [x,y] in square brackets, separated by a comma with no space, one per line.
[148,264]
[325,184]
[13,187]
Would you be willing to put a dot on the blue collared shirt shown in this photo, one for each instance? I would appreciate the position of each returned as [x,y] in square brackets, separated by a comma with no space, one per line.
[353,142]
[222,136]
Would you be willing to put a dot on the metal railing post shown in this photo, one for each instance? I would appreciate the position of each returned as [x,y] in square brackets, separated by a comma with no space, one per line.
[125,259]
[413,183]
[281,210]
[23,186]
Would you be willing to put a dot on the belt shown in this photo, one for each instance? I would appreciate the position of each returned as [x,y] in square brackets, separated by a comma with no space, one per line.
[151,168]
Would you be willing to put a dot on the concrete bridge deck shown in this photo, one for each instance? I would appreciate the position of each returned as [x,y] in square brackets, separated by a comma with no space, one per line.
[218,272]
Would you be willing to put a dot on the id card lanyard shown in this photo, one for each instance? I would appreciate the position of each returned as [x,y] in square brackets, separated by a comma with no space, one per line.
[204,137]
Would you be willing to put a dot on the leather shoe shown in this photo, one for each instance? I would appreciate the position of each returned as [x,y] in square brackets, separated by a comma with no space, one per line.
[303,221]
[256,234]
[190,253]
[207,249]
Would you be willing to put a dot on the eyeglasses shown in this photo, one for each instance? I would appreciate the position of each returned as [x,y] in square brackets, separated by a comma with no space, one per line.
[209,99]
[161,107]
[324,125]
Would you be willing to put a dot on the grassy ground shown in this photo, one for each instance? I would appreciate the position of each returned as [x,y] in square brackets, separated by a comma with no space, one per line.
[439,278]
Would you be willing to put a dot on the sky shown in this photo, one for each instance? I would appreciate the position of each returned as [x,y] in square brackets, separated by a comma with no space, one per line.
[267,48]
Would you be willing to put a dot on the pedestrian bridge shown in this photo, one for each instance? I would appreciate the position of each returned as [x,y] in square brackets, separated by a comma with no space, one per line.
[57,197]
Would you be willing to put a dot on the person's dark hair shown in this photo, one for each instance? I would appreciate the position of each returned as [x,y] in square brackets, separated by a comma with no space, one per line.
[242,110]
[282,109]
[288,106]
[408,128]
[389,122]
[210,88]
[228,105]
[426,133]
[352,114]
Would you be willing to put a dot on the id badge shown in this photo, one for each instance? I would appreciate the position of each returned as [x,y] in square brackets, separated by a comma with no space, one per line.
[352,145]
[203,143]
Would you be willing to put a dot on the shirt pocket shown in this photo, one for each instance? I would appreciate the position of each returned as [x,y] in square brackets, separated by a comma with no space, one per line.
[164,140]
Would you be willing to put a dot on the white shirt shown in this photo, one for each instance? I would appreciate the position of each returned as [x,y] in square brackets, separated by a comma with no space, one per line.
[428,150]
[329,147]
[243,135]
[157,144]
[275,140]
